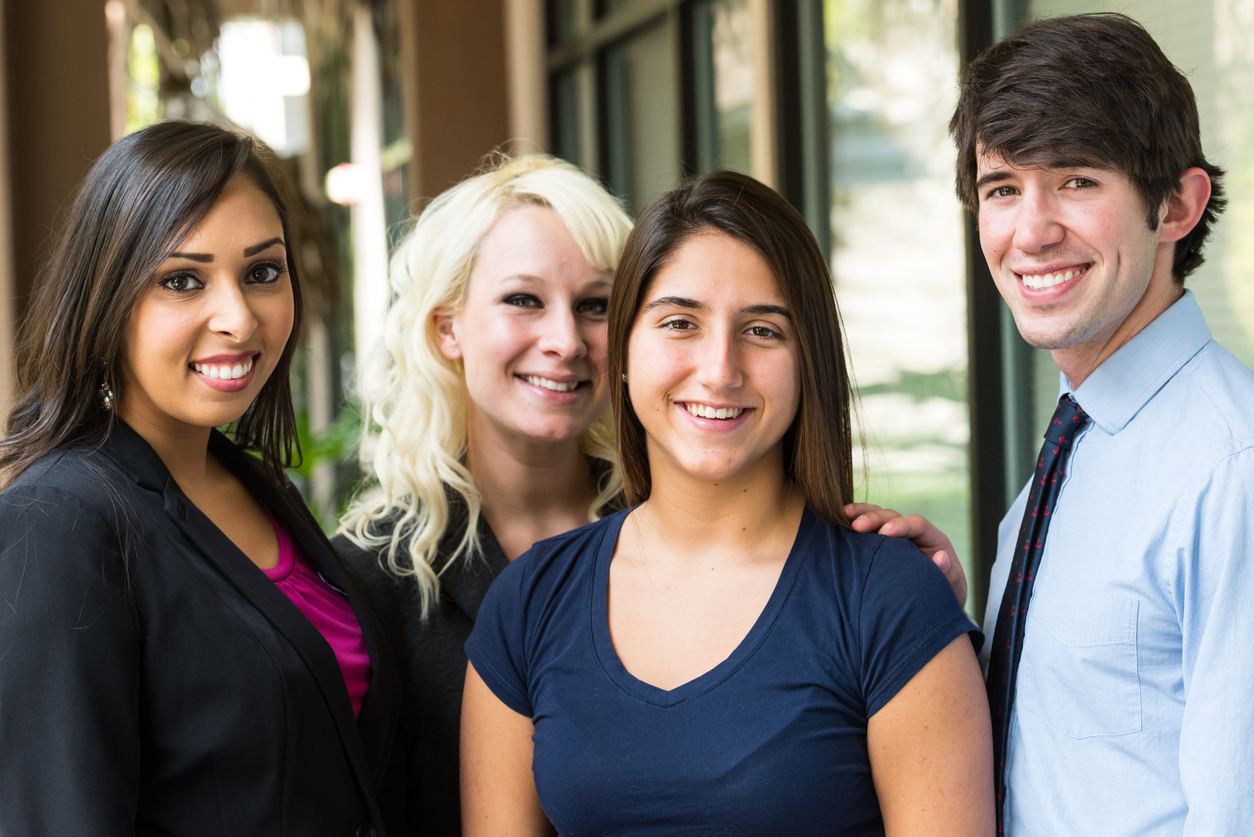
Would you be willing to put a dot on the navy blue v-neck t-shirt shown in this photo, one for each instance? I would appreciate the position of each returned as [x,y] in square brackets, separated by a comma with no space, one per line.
[771,741]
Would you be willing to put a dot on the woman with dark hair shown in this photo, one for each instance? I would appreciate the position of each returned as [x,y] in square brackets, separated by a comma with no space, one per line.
[727,656]
[180,652]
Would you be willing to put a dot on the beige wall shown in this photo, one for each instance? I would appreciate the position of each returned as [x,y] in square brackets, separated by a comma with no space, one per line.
[6,241]
[457,100]
[57,84]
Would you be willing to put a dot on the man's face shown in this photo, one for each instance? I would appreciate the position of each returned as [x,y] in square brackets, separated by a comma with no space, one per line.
[1071,252]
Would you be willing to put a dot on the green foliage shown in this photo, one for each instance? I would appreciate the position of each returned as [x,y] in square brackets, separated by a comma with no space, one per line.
[334,446]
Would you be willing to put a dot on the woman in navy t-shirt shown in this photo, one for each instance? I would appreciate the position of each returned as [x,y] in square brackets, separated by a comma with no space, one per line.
[728,656]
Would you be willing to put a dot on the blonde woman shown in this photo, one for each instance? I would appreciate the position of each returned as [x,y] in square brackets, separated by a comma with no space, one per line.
[489,401]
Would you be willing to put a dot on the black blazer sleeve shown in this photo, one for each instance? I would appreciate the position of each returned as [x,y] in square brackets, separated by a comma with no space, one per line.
[69,670]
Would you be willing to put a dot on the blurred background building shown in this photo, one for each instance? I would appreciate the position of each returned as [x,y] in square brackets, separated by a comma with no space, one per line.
[375,106]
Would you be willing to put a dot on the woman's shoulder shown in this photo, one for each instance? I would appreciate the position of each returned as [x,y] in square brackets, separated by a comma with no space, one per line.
[81,474]
[859,561]
[556,563]
[569,545]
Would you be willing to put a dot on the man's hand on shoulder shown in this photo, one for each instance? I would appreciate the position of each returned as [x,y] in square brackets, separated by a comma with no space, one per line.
[932,542]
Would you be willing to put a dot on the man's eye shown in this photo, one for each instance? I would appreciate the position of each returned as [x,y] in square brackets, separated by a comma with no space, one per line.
[1003,192]
[182,283]
[596,305]
[265,274]
[523,301]
[1080,183]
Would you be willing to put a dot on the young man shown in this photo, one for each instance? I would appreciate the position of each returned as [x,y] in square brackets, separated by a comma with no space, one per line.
[1121,605]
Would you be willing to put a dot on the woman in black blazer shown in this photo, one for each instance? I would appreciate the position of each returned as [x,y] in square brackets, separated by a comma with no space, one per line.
[154,679]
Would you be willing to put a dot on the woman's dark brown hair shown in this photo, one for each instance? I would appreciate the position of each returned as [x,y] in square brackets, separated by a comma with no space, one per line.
[818,450]
[1089,90]
[139,201]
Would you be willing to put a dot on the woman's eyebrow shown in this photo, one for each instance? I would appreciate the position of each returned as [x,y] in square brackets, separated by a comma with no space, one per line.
[778,310]
[206,258]
[678,302]
[257,248]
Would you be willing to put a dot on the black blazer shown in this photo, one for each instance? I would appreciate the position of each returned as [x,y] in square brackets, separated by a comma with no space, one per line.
[154,681]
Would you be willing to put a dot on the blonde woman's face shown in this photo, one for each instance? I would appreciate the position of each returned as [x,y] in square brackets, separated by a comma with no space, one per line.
[532,333]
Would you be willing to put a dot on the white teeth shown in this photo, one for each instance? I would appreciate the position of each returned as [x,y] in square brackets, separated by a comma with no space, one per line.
[556,386]
[239,370]
[1048,280]
[703,411]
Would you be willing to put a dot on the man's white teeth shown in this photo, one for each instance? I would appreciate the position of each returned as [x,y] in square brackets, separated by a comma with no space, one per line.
[1048,280]
[239,370]
[556,386]
[702,411]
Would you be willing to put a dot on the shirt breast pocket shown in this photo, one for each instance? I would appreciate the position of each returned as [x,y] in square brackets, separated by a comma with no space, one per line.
[1079,672]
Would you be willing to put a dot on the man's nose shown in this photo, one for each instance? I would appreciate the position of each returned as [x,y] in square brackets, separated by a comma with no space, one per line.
[1036,224]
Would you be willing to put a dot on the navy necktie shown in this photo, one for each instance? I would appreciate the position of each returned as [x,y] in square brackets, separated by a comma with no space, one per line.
[1003,661]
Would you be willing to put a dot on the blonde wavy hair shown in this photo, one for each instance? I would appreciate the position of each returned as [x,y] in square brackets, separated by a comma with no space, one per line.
[414,399]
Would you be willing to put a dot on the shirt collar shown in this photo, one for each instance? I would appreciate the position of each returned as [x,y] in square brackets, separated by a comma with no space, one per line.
[1121,386]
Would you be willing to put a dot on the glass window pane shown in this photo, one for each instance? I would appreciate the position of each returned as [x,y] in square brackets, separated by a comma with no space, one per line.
[640,120]
[897,253]
[560,17]
[565,113]
[722,52]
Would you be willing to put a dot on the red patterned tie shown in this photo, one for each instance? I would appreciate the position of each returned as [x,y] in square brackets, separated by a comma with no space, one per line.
[1003,661]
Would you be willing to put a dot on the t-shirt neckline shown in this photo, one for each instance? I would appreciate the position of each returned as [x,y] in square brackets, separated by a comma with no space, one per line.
[607,655]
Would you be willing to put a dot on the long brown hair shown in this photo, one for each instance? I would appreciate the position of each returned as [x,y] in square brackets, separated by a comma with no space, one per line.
[818,448]
[136,205]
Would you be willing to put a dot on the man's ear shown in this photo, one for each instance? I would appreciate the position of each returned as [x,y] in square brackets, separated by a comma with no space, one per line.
[446,334]
[1182,211]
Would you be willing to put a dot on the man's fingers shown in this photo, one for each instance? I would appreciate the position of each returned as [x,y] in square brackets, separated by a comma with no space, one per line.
[866,517]
[953,574]
[913,526]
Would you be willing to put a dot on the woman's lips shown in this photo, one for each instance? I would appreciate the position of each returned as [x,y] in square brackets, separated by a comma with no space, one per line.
[226,373]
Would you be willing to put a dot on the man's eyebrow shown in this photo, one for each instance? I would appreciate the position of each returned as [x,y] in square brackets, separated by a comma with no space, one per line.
[992,177]
[678,302]
[257,248]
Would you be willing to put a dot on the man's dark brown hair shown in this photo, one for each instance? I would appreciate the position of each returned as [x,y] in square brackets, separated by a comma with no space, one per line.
[818,450]
[1089,90]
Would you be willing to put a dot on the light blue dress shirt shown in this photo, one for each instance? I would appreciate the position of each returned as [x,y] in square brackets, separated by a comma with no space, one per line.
[1134,707]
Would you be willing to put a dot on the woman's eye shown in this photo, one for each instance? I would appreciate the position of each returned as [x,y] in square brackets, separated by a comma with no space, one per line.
[597,305]
[523,301]
[763,331]
[265,274]
[182,283]
[677,325]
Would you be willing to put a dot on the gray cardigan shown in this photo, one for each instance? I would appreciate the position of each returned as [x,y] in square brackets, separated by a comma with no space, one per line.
[420,794]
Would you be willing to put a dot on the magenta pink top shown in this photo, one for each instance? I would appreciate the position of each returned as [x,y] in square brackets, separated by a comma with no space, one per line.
[327,608]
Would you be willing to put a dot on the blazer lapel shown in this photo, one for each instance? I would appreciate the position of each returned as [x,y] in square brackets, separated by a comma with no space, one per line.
[131,452]
[377,721]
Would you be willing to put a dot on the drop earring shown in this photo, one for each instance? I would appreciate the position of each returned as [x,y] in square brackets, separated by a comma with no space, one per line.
[105,393]
[624,377]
